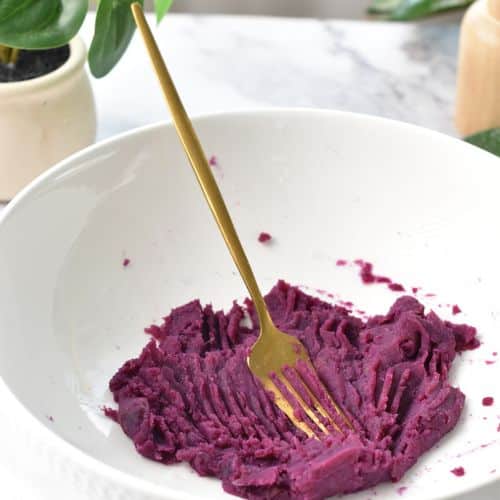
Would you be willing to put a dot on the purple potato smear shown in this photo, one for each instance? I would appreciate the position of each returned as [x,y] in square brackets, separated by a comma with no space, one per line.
[190,396]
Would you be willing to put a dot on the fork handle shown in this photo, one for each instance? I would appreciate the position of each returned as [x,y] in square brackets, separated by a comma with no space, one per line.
[199,163]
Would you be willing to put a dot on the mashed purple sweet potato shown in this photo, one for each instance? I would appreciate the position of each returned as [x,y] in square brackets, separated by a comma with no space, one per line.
[190,396]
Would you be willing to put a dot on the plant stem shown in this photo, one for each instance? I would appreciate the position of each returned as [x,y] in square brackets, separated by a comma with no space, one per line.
[4,54]
[14,54]
[8,55]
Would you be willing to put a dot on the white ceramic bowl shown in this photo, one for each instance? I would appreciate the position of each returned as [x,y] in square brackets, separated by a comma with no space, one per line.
[423,207]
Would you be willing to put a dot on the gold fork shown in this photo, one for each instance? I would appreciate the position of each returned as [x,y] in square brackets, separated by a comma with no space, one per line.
[274,352]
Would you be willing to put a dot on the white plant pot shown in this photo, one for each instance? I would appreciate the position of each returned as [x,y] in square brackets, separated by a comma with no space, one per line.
[43,120]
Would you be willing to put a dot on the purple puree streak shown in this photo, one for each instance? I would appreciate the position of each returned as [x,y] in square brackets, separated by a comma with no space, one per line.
[264,237]
[190,397]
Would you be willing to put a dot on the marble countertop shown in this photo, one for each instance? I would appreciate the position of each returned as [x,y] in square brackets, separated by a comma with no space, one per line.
[221,63]
[400,71]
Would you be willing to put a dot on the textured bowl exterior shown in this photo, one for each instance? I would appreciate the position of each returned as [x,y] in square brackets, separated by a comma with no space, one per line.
[44,120]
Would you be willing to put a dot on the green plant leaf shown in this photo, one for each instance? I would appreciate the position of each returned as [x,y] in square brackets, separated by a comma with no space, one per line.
[114,28]
[161,8]
[488,140]
[383,6]
[40,24]
[414,9]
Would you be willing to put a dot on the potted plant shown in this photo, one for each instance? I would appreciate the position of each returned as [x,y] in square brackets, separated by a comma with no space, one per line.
[407,10]
[46,103]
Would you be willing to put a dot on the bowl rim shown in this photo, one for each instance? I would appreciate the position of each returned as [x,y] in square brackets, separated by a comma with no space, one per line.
[82,459]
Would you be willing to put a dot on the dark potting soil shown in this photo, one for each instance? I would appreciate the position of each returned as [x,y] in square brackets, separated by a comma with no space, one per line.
[34,63]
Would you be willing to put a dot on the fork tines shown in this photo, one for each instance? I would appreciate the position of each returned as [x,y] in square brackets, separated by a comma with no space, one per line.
[302,396]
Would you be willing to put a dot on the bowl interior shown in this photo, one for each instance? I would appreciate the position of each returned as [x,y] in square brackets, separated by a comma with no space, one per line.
[422,207]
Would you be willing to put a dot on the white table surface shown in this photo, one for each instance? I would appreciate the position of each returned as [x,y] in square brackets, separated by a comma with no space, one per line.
[220,63]
[400,71]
